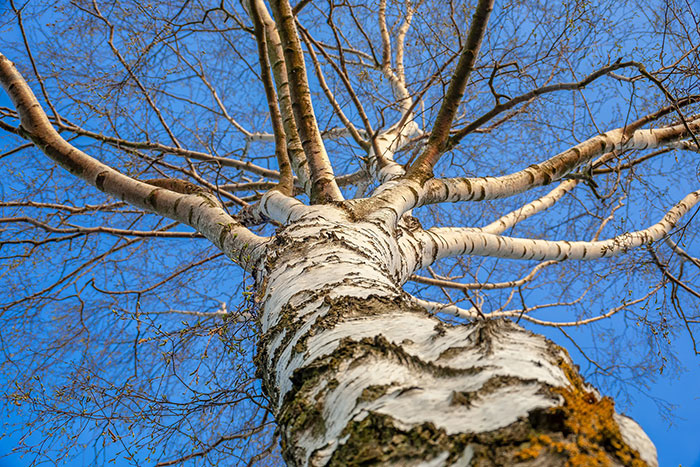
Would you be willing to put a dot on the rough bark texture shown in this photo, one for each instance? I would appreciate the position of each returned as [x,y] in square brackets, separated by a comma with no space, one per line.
[359,374]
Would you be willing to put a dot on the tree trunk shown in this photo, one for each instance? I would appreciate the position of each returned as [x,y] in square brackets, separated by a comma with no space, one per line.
[358,373]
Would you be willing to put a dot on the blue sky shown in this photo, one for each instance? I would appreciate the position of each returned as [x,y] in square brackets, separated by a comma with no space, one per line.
[676,439]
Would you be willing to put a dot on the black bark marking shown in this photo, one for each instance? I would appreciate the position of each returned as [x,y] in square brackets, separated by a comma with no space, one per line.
[177,203]
[469,187]
[415,193]
[530,177]
[152,198]
[100,180]
[546,177]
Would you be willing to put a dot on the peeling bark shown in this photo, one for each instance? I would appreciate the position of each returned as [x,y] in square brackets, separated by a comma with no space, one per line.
[359,373]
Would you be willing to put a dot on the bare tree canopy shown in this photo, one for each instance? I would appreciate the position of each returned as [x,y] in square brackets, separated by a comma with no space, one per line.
[251,233]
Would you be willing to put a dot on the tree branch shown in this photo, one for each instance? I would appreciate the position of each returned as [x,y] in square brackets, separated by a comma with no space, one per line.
[324,187]
[477,189]
[422,168]
[527,97]
[279,70]
[286,180]
[438,243]
[201,210]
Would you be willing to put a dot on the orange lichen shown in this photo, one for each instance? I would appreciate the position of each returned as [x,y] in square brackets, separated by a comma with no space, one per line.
[591,436]
[537,444]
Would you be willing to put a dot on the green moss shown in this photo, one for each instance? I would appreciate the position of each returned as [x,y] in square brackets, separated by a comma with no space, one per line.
[376,441]
[373,392]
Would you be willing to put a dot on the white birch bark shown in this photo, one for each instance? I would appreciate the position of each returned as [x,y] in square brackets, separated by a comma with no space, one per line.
[438,243]
[194,207]
[553,169]
[359,373]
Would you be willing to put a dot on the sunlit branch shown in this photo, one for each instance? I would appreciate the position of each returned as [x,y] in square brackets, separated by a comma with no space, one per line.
[386,144]
[437,243]
[422,168]
[281,208]
[381,157]
[675,104]
[384,31]
[686,145]
[540,204]
[450,309]
[275,53]
[516,284]
[324,187]
[400,87]
[530,209]
[397,78]
[286,177]
[200,210]
[477,189]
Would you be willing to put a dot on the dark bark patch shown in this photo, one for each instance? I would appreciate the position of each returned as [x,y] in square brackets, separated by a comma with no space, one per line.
[152,198]
[468,398]
[582,430]
[100,180]
[374,392]
[376,441]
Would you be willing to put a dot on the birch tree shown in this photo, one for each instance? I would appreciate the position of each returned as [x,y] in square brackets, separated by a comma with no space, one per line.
[332,231]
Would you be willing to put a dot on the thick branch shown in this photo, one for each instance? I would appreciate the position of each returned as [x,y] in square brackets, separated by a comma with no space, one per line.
[286,177]
[437,243]
[279,70]
[540,204]
[324,187]
[201,210]
[477,189]
[422,169]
